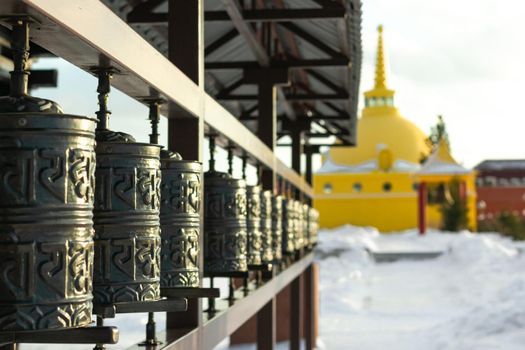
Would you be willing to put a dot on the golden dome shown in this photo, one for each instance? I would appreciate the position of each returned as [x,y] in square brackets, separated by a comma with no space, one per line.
[381,126]
[405,140]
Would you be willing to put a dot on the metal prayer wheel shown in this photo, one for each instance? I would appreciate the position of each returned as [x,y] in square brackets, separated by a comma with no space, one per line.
[47,172]
[47,164]
[266,227]
[313,226]
[179,219]
[305,225]
[225,237]
[277,227]
[126,216]
[253,225]
[288,235]
[298,225]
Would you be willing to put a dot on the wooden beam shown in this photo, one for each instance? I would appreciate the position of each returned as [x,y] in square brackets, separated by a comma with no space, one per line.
[254,44]
[144,11]
[325,81]
[315,134]
[291,97]
[137,16]
[290,63]
[227,90]
[315,117]
[318,43]
[279,15]
[221,41]
[233,10]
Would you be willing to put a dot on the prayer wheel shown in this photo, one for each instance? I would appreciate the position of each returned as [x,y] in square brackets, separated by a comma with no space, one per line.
[305,225]
[298,218]
[277,228]
[288,225]
[179,219]
[126,215]
[225,237]
[47,172]
[266,227]
[313,227]
[253,225]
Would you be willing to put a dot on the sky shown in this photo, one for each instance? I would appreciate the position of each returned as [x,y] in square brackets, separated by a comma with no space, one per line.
[463,59]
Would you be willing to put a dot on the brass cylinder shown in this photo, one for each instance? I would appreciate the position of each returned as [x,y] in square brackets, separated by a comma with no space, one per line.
[289,222]
[47,173]
[179,219]
[277,228]
[266,227]
[313,226]
[225,237]
[305,224]
[298,225]
[253,225]
[126,216]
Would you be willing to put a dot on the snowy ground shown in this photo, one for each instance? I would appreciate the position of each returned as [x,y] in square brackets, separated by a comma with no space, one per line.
[470,298]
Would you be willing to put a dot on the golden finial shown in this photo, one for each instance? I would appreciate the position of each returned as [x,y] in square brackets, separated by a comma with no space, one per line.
[380,78]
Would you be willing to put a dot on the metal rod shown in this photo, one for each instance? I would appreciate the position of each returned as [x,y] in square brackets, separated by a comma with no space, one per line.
[231,291]
[103,89]
[230,158]
[20,48]
[212,152]
[100,323]
[211,301]
[244,164]
[154,117]
[151,337]
[245,288]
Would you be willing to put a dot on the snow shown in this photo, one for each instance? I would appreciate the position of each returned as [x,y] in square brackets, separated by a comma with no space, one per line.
[472,297]
[330,167]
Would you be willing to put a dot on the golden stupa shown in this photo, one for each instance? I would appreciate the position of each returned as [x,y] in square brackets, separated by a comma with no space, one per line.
[376,182]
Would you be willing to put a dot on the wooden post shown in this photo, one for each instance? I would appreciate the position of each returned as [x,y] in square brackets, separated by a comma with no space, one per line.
[422,207]
[186,133]
[296,313]
[266,326]
[463,191]
[308,166]
[266,129]
[309,309]
[267,79]
[297,149]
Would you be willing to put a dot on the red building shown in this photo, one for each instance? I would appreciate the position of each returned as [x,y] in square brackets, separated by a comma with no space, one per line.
[500,187]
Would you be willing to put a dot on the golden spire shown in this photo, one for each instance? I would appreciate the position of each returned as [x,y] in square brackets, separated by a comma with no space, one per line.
[380,98]
[380,79]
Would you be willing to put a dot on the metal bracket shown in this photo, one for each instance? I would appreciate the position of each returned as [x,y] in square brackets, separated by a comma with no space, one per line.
[87,335]
[163,305]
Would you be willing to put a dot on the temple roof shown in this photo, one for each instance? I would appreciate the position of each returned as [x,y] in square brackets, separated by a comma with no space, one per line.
[441,162]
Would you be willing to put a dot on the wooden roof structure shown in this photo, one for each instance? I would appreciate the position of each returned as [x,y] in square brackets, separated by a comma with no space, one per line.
[315,44]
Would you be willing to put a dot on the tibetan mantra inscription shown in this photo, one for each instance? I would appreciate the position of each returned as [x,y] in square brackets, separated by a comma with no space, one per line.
[266,227]
[253,216]
[47,177]
[126,216]
[225,237]
[179,219]
[277,227]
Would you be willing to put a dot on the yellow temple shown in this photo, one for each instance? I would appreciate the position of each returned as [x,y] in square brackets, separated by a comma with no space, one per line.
[377,182]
